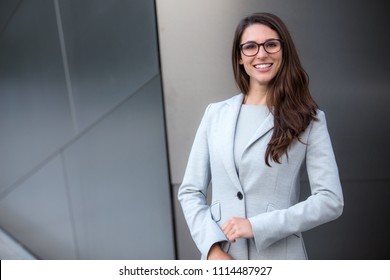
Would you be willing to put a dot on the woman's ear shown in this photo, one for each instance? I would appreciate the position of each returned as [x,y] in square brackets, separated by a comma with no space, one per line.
[240,62]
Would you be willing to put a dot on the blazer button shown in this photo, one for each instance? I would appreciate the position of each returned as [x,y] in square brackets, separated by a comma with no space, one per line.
[240,196]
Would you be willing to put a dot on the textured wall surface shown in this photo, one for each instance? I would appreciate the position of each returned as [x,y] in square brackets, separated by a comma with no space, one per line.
[83,162]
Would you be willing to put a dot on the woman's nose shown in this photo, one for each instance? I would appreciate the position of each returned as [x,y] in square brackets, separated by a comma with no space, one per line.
[261,53]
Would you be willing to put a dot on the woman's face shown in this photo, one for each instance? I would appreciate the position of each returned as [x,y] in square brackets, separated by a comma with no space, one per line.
[262,67]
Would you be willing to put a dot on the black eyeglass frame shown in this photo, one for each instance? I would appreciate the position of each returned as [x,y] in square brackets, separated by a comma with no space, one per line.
[262,44]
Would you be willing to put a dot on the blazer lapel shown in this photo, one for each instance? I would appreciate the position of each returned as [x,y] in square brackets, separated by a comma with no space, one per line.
[266,126]
[230,122]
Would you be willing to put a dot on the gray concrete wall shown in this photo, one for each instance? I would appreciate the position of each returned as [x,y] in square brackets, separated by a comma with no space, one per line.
[344,48]
[83,162]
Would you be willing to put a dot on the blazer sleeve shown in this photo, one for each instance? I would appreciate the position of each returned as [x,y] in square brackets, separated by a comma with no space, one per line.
[192,193]
[323,205]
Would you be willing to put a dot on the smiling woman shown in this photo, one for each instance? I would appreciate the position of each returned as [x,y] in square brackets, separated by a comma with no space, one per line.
[253,149]
[278,79]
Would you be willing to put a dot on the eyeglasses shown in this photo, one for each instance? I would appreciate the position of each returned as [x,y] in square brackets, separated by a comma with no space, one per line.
[270,46]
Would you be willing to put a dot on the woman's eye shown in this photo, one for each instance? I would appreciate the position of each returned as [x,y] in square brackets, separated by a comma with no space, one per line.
[272,44]
[250,46]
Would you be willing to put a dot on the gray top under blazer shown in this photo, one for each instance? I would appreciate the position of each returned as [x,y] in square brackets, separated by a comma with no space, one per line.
[267,196]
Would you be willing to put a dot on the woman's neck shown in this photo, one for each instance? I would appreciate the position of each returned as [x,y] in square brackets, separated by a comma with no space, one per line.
[256,96]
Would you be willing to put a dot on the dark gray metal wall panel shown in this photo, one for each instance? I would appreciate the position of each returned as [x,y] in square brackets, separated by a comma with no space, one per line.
[345,51]
[112,51]
[362,232]
[360,128]
[34,109]
[118,177]
[7,8]
[37,214]
[114,140]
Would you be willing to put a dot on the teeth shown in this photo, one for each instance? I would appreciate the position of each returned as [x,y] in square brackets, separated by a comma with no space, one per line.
[262,66]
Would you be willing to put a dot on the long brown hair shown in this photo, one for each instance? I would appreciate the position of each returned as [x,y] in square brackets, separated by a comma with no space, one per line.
[288,95]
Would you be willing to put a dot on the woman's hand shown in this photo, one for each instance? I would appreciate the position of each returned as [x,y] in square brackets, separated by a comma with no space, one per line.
[237,228]
[216,253]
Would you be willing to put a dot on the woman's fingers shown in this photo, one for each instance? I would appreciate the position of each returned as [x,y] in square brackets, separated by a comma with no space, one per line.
[229,231]
[237,228]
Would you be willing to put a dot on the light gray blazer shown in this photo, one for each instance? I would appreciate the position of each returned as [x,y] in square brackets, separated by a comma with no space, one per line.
[267,196]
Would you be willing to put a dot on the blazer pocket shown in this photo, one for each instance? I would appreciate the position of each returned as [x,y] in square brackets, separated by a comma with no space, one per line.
[215,209]
[270,207]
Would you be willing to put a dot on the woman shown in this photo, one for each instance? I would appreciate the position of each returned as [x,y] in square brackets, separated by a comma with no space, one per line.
[253,149]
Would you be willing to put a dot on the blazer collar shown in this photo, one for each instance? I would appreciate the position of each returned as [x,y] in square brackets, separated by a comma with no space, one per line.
[230,123]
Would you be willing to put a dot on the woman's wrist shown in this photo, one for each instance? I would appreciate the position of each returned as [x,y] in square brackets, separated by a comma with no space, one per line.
[216,253]
[214,250]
